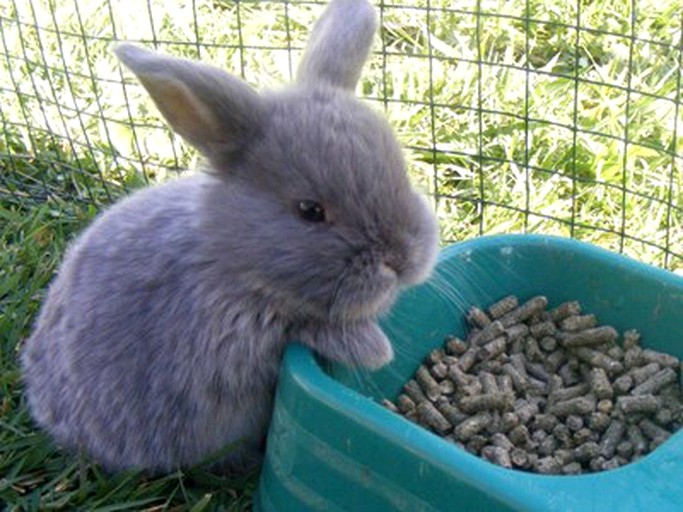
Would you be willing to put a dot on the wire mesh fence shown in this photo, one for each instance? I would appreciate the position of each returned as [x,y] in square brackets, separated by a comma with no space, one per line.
[554,116]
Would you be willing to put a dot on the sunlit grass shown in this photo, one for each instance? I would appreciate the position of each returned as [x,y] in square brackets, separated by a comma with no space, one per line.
[511,125]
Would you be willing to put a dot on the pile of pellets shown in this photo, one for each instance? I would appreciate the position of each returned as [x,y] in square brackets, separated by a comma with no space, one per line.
[546,391]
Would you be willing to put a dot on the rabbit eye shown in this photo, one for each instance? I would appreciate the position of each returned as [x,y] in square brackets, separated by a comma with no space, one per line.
[310,211]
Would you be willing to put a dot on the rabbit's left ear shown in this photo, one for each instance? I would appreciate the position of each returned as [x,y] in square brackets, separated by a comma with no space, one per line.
[211,109]
[339,45]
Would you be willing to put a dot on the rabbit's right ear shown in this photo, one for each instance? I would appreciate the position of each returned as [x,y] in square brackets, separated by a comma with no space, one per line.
[211,109]
[339,44]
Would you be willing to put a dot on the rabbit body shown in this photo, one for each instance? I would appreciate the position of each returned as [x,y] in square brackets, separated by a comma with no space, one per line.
[128,360]
[160,338]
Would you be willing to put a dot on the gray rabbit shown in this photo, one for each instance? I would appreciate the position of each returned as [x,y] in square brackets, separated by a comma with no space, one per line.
[161,335]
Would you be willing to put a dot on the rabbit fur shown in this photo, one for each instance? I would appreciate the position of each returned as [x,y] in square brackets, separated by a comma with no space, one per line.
[160,338]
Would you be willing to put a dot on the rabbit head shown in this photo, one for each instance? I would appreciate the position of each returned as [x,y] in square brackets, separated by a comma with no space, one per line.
[313,207]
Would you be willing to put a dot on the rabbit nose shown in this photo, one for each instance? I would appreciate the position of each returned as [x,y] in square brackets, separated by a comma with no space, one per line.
[387,269]
[395,261]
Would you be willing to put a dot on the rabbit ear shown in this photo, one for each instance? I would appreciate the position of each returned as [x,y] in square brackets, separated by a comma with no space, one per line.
[211,109]
[339,44]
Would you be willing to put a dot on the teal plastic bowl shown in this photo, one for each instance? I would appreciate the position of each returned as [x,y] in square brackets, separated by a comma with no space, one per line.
[333,447]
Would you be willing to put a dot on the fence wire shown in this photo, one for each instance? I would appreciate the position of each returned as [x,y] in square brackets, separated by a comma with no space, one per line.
[560,117]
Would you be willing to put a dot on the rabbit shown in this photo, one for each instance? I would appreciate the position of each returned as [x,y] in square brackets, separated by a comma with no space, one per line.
[160,338]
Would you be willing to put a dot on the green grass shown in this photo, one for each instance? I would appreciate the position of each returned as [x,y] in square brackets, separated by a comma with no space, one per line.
[511,126]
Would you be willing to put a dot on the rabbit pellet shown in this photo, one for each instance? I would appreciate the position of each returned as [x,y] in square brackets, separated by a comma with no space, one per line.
[547,391]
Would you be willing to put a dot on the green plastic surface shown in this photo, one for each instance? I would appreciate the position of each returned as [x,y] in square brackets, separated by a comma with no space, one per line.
[331,446]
